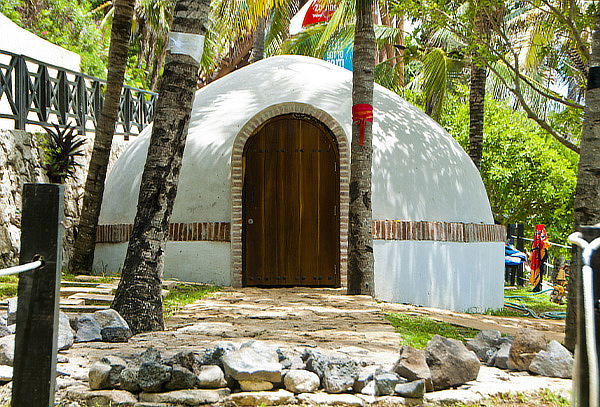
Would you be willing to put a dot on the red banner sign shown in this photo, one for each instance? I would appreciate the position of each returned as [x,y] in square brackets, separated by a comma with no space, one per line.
[318,13]
[361,114]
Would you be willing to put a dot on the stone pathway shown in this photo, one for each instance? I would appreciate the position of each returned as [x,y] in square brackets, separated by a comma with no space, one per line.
[296,317]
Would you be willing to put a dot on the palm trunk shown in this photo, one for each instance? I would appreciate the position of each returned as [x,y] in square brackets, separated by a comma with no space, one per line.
[476,113]
[360,241]
[258,46]
[83,251]
[587,193]
[138,297]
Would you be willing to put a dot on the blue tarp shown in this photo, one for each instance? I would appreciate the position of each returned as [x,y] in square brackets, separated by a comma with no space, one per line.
[513,257]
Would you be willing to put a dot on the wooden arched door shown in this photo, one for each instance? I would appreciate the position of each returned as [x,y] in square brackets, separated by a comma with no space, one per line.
[291,227]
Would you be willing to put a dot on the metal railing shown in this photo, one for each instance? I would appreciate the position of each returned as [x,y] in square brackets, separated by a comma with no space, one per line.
[33,92]
[22,268]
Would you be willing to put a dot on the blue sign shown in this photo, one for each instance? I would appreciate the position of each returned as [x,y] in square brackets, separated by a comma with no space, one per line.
[340,57]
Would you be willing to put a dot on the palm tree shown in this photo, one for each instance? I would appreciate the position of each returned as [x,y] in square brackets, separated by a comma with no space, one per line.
[587,193]
[83,253]
[138,297]
[361,278]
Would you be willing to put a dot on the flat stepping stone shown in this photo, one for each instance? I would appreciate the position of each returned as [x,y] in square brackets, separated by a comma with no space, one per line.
[71,301]
[68,291]
[91,299]
[77,284]
[82,308]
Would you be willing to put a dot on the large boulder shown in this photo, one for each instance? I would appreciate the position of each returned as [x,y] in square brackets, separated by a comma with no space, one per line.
[485,345]
[450,362]
[181,378]
[555,361]
[87,329]
[301,381]
[106,373]
[253,363]
[412,365]
[113,327]
[526,345]
[337,373]
[153,376]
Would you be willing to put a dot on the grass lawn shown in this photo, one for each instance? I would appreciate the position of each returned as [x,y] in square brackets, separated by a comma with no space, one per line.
[543,398]
[8,286]
[538,303]
[416,331]
[183,294]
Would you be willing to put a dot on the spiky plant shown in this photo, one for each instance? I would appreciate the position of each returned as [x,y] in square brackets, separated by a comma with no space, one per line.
[61,147]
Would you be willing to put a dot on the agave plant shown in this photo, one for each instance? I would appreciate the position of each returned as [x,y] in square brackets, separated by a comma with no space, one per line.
[61,147]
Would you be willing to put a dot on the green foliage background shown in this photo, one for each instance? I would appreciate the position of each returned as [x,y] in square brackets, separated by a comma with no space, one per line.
[530,177]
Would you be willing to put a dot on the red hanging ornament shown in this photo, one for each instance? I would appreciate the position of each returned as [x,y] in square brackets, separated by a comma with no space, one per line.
[361,114]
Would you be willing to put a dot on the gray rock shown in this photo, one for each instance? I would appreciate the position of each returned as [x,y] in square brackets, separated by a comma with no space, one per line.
[129,380]
[7,350]
[66,336]
[87,329]
[247,364]
[181,378]
[385,383]
[113,327]
[412,365]
[106,373]
[339,375]
[5,331]
[501,358]
[315,361]
[186,397]
[555,361]
[324,399]
[263,398]
[301,381]
[527,344]
[188,359]
[12,329]
[153,376]
[212,356]
[150,355]
[365,375]
[415,389]
[485,345]
[450,362]
[369,388]
[62,359]
[211,377]
[269,351]
[11,317]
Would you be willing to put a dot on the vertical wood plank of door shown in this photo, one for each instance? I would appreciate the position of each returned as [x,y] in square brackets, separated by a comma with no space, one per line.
[310,237]
[292,135]
[328,194]
[271,204]
[251,211]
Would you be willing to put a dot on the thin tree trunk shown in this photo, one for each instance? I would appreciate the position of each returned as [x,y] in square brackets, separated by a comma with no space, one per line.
[587,193]
[476,113]
[138,297]
[400,51]
[360,241]
[258,46]
[83,252]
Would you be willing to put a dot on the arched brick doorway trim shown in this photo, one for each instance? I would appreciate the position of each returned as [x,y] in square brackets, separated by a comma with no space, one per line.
[237,183]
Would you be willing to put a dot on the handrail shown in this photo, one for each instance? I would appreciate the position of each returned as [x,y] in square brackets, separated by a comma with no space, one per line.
[551,244]
[21,268]
[45,94]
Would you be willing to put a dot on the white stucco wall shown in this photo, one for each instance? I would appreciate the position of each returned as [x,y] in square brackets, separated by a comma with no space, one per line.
[201,262]
[20,41]
[419,171]
[465,277]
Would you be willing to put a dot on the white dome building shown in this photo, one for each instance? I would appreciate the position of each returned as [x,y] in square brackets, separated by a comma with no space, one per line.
[264,190]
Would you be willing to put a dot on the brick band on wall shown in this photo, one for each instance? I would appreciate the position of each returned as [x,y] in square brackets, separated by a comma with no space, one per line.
[437,231]
[178,232]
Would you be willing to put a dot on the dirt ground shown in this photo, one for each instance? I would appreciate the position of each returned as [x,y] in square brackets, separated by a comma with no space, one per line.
[297,317]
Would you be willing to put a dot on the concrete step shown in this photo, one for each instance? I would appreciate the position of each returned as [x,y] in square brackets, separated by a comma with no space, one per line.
[88,309]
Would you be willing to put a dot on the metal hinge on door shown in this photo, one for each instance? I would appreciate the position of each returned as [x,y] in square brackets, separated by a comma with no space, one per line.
[334,210]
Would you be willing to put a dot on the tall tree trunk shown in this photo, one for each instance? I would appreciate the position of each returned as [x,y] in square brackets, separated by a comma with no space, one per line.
[360,240]
[400,51]
[587,193]
[476,113]
[138,297]
[258,46]
[83,253]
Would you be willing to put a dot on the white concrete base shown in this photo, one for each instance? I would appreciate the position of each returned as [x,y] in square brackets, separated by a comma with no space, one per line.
[465,277]
[200,262]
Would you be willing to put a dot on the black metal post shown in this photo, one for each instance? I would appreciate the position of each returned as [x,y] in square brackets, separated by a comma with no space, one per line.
[21,93]
[36,339]
[520,243]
